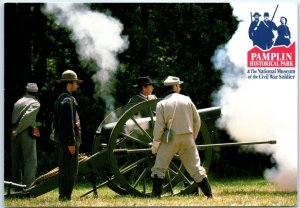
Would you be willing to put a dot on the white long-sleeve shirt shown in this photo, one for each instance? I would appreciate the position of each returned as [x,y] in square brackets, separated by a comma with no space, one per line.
[186,118]
[24,113]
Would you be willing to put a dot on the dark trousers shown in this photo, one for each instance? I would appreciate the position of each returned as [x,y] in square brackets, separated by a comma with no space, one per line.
[68,169]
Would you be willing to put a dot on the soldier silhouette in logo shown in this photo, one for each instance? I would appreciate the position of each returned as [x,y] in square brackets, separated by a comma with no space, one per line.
[284,33]
[265,32]
[253,29]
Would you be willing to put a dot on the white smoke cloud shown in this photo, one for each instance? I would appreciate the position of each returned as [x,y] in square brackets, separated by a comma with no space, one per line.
[260,109]
[98,39]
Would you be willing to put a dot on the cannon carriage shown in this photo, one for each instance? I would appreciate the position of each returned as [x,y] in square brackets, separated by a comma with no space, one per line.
[122,159]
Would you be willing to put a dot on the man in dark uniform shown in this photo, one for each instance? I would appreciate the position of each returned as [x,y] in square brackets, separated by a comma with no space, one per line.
[144,87]
[253,29]
[67,134]
[265,32]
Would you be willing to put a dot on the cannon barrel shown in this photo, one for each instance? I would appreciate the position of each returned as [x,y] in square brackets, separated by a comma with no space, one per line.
[199,147]
[209,113]
[205,114]
[204,146]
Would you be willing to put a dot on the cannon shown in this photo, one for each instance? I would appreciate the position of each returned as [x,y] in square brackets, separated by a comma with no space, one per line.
[122,159]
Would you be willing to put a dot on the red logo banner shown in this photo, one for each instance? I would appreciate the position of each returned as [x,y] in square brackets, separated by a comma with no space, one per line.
[277,56]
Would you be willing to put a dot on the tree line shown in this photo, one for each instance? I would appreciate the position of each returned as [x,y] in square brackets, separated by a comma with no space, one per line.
[164,39]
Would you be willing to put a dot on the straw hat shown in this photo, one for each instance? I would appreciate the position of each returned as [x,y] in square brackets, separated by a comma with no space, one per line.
[172,81]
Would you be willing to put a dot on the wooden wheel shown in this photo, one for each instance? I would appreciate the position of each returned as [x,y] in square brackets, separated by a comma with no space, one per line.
[100,143]
[132,168]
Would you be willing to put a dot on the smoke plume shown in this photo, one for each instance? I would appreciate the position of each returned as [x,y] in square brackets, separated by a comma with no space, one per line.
[259,109]
[99,40]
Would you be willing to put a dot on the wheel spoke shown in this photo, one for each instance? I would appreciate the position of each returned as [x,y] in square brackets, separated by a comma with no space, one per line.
[142,176]
[143,130]
[173,171]
[152,118]
[134,139]
[121,140]
[170,182]
[144,186]
[134,165]
[180,172]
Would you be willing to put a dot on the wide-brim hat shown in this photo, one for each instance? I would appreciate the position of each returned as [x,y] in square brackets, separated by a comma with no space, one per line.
[171,80]
[69,75]
[143,81]
[256,13]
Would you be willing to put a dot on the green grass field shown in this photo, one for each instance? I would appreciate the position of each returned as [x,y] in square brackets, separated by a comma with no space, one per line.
[227,192]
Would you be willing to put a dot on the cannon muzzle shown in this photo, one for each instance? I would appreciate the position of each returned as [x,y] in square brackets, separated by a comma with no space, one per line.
[205,146]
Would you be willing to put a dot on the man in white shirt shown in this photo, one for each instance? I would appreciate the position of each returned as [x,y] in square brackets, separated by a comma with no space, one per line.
[179,114]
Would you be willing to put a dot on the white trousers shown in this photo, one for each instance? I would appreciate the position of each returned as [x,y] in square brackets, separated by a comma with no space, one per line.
[184,145]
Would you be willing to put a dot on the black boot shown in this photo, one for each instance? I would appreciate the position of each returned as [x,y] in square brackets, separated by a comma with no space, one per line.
[157,186]
[205,188]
